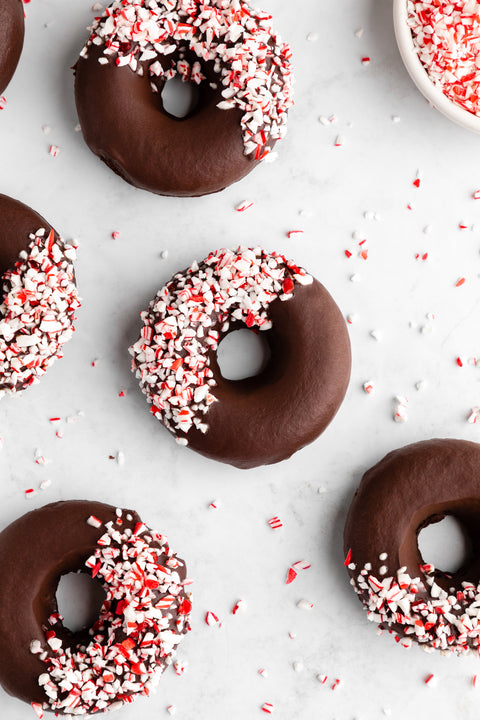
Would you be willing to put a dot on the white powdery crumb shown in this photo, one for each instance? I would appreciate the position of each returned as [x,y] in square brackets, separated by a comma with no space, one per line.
[164,254]
[359,33]
[376,335]
[298,667]
[45,484]
[312,37]
[46,129]
[120,458]
[420,385]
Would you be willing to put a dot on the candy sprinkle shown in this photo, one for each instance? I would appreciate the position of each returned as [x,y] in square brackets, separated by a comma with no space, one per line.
[268,708]
[275,523]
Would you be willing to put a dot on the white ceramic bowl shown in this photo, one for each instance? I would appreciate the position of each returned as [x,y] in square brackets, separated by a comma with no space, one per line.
[419,75]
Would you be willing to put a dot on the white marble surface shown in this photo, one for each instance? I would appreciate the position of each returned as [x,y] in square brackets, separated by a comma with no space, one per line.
[232,553]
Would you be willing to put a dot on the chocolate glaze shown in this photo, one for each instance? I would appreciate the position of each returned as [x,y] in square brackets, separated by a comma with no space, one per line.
[11,39]
[35,551]
[17,221]
[266,418]
[409,489]
[125,124]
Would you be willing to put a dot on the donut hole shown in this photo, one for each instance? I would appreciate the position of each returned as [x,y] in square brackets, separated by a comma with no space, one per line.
[243,354]
[445,543]
[180,98]
[79,599]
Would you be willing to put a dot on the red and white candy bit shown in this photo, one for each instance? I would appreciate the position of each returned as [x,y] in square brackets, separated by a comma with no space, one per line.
[135,635]
[94,521]
[245,205]
[418,609]
[54,150]
[3,102]
[446,35]
[240,605]
[431,680]
[38,709]
[474,416]
[474,681]
[368,387]
[295,569]
[304,605]
[275,522]
[172,356]
[36,316]
[268,708]
[212,620]
[400,414]
[253,64]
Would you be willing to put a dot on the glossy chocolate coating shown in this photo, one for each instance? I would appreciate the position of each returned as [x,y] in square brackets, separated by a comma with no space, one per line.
[11,39]
[406,491]
[17,221]
[266,418]
[124,123]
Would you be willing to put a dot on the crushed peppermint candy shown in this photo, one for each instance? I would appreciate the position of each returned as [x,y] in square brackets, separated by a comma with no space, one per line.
[143,618]
[187,320]
[446,35]
[37,311]
[418,609]
[166,38]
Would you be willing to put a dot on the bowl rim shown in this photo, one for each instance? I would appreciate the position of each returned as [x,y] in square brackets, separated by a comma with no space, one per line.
[420,76]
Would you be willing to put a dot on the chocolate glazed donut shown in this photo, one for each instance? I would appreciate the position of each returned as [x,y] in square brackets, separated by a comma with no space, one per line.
[35,551]
[409,489]
[228,50]
[267,418]
[258,420]
[11,39]
[125,124]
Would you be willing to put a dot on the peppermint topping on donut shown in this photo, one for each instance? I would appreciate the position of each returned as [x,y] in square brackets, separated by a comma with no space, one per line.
[446,35]
[420,610]
[143,618]
[184,324]
[36,316]
[251,61]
